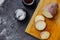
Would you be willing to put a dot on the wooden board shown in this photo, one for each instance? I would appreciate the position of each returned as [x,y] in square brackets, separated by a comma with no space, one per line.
[53,25]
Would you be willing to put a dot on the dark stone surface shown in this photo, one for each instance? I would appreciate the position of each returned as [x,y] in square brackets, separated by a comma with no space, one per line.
[11,28]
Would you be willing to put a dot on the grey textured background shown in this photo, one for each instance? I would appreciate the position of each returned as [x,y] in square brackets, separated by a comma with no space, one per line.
[11,28]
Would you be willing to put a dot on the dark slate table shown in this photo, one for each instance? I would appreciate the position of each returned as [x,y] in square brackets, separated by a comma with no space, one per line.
[10,28]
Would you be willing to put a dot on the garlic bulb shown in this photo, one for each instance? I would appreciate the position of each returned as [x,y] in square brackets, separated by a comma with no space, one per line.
[20,14]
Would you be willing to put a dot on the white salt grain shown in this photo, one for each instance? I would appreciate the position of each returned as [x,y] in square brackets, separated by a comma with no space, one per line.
[3,32]
[1,2]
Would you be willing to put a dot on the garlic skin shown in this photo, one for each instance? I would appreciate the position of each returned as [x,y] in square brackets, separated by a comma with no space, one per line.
[20,14]
[1,2]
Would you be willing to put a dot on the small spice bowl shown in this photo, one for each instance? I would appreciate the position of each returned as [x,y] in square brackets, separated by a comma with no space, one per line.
[28,2]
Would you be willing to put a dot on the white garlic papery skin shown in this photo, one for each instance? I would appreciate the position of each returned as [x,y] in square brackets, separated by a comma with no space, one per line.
[20,14]
[1,2]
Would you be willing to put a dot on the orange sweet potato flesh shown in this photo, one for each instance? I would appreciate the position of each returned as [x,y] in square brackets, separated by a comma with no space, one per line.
[53,25]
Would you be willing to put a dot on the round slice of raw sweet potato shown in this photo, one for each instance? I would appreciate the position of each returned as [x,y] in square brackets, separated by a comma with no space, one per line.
[39,18]
[40,25]
[44,35]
